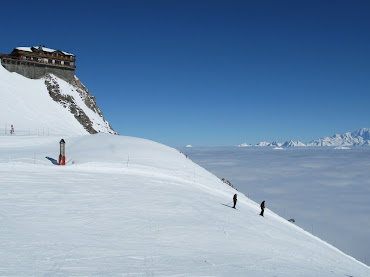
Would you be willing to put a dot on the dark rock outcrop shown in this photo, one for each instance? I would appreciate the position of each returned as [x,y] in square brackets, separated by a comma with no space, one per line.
[67,101]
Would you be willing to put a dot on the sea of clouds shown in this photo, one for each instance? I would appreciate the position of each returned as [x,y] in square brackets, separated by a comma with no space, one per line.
[326,190]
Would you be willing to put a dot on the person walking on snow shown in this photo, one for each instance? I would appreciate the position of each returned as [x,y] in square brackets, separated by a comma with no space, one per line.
[262,207]
[235,199]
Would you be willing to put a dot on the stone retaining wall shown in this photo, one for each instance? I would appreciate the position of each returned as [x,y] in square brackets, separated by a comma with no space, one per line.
[36,71]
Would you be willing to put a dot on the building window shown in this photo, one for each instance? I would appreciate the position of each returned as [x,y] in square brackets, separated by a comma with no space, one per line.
[66,63]
[57,62]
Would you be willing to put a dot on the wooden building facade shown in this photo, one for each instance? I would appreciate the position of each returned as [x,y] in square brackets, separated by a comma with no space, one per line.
[34,62]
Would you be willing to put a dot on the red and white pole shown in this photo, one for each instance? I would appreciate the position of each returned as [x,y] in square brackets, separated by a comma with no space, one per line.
[62,155]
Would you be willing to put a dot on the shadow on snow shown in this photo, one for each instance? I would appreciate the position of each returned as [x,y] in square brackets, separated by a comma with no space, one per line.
[53,161]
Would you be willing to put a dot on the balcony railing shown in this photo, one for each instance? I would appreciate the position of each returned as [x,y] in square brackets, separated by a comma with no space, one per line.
[66,58]
[21,60]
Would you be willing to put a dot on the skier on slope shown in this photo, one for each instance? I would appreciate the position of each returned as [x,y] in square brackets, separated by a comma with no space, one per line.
[235,199]
[262,207]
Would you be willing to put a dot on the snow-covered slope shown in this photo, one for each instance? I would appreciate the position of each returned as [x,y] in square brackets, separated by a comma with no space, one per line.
[360,137]
[48,106]
[124,206]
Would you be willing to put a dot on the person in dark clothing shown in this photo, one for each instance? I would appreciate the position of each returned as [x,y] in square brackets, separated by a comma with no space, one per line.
[235,199]
[262,207]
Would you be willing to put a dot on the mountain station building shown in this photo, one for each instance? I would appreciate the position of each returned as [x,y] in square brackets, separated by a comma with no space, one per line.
[37,61]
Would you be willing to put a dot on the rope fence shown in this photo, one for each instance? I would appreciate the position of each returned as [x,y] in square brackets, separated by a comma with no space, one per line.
[9,130]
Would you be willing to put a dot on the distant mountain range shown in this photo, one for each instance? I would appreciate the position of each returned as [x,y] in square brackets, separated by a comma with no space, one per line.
[358,138]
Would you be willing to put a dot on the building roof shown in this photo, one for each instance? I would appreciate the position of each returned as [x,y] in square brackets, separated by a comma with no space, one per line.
[29,49]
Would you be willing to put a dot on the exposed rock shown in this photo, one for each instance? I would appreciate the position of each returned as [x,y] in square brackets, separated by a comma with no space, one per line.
[69,102]
[227,182]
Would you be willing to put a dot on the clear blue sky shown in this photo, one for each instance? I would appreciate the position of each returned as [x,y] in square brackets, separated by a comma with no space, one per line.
[211,72]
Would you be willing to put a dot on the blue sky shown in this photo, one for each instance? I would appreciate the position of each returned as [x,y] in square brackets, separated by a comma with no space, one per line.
[213,73]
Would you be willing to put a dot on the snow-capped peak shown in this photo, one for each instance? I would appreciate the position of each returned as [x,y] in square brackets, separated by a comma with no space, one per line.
[357,138]
[291,143]
[263,143]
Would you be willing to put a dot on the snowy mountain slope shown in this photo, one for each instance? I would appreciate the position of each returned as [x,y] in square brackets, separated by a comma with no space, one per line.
[291,143]
[124,206]
[49,105]
[288,143]
[357,138]
[274,143]
[263,143]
